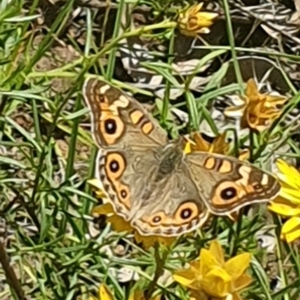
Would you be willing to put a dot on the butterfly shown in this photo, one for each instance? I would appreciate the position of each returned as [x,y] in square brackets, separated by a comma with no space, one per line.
[151,182]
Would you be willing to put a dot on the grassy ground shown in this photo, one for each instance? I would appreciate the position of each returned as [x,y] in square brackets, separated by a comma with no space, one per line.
[51,247]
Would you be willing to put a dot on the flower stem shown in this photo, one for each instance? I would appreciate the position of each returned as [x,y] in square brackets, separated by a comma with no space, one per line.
[160,261]
[10,274]
[251,138]
[165,108]
[280,258]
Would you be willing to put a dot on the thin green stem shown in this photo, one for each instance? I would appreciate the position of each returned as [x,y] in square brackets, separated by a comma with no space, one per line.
[70,161]
[232,46]
[286,296]
[10,274]
[160,263]
[112,54]
[252,146]
[165,108]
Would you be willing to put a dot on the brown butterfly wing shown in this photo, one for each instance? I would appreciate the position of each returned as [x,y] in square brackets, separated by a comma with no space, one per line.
[227,184]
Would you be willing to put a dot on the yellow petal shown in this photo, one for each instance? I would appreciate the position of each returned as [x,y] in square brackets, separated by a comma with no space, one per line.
[220,145]
[291,225]
[100,194]
[95,183]
[216,250]
[251,89]
[105,293]
[98,186]
[217,283]
[185,277]
[103,209]
[244,154]
[237,265]
[195,267]
[281,200]
[187,148]
[292,195]
[241,282]
[200,143]
[235,111]
[275,100]
[195,8]
[270,114]
[236,296]
[291,236]
[204,19]
[283,209]
[207,262]
[119,224]
[288,174]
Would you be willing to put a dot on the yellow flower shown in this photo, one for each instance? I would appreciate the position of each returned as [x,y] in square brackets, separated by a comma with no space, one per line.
[215,277]
[256,110]
[218,145]
[103,294]
[119,224]
[96,184]
[192,22]
[288,202]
